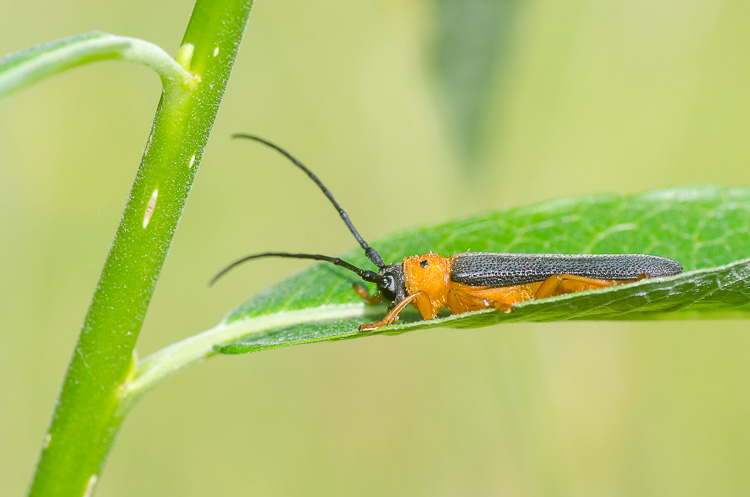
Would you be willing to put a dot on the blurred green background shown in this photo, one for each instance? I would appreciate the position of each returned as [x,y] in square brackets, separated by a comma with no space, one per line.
[413,112]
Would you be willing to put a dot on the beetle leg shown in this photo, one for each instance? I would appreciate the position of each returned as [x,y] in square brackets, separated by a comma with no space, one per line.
[425,306]
[392,316]
[551,285]
[460,301]
[365,295]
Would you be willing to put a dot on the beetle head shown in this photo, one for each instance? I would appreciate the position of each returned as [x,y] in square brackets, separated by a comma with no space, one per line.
[391,284]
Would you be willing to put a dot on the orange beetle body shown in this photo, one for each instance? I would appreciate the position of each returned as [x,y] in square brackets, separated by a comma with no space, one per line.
[431,282]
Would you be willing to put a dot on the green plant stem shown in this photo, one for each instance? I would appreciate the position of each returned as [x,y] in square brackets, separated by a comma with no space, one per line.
[88,414]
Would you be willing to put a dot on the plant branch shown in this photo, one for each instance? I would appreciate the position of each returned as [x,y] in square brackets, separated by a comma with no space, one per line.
[21,69]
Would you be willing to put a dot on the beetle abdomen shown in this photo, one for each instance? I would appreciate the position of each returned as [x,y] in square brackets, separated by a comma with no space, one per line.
[498,270]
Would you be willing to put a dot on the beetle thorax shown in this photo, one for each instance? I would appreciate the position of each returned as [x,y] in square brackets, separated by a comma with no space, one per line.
[429,274]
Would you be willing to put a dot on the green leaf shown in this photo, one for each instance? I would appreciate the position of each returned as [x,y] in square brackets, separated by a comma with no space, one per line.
[28,66]
[707,229]
[468,54]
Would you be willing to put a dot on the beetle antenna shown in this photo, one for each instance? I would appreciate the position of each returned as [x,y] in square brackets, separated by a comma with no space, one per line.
[370,252]
[366,275]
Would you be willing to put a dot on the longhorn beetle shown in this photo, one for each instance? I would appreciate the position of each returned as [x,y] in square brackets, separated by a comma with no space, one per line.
[473,281]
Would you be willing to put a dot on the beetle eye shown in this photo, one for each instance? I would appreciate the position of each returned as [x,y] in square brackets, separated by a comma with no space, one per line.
[388,288]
